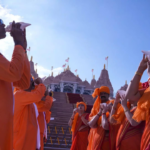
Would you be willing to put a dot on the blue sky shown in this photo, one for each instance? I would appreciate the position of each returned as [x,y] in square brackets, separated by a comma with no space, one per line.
[85,31]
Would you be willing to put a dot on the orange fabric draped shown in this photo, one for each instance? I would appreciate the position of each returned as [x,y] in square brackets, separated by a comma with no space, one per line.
[77,115]
[119,114]
[143,107]
[96,136]
[80,138]
[11,72]
[25,121]
[43,106]
[145,141]
[127,133]
[48,116]
[98,140]
[80,141]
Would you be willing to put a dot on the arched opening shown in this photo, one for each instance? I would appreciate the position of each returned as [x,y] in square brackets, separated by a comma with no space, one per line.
[68,89]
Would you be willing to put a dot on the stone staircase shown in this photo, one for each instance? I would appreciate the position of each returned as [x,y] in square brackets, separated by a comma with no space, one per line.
[88,99]
[58,132]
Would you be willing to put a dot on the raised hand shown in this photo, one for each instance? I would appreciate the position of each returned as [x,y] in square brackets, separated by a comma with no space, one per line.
[143,64]
[38,80]
[117,100]
[17,34]
[123,101]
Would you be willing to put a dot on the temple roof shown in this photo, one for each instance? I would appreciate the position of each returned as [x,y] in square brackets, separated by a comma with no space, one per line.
[87,85]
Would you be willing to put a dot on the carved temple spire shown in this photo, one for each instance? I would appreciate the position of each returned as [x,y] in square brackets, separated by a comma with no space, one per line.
[52,74]
[126,82]
[104,66]
[36,71]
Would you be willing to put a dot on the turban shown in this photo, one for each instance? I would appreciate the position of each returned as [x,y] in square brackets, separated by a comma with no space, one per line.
[79,103]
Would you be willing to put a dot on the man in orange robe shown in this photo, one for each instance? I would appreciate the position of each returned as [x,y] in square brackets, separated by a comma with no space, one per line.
[102,136]
[25,121]
[16,71]
[80,127]
[43,106]
[143,104]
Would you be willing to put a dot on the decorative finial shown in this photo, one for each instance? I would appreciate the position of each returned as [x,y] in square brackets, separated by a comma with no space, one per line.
[36,70]
[104,66]
[52,74]
[31,58]
[93,76]
[77,75]
[68,68]
[126,82]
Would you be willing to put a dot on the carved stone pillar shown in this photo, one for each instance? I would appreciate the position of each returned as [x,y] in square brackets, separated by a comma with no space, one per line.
[52,87]
[74,88]
[61,87]
[82,90]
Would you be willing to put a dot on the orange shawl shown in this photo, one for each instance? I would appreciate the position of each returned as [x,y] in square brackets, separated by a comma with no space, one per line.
[76,116]
[143,107]
[119,114]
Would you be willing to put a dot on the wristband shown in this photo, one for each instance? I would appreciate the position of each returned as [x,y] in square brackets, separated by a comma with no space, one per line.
[138,73]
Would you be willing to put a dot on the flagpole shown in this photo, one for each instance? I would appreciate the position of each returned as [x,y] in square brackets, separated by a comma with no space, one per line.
[107,64]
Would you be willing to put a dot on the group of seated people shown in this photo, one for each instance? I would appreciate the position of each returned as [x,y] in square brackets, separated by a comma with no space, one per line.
[24,112]
[122,123]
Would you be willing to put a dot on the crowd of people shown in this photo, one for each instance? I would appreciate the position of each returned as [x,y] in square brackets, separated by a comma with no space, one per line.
[122,123]
[25,111]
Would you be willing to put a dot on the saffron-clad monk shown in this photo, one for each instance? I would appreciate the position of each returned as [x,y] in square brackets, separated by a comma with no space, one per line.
[142,111]
[129,130]
[43,106]
[25,121]
[80,128]
[11,72]
[102,134]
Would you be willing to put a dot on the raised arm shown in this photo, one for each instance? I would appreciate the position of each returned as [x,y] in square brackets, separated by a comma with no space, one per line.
[132,89]
[72,117]
[12,71]
[30,97]
[114,109]
[93,122]
[45,105]
[105,122]
[127,112]
[24,82]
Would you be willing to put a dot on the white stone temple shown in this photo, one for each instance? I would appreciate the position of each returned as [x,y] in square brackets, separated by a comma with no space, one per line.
[68,82]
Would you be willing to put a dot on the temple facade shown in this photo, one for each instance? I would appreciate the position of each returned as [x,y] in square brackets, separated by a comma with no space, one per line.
[68,82]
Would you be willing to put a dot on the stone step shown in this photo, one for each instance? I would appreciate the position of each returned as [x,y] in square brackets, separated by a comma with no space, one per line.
[55,148]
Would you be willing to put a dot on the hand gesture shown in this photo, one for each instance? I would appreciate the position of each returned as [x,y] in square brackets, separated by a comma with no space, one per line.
[117,100]
[38,81]
[123,101]
[143,64]
[148,68]
[75,111]
[17,34]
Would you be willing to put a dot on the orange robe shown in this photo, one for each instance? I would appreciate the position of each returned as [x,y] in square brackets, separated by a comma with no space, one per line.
[129,137]
[80,138]
[143,113]
[14,71]
[97,139]
[25,122]
[43,106]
